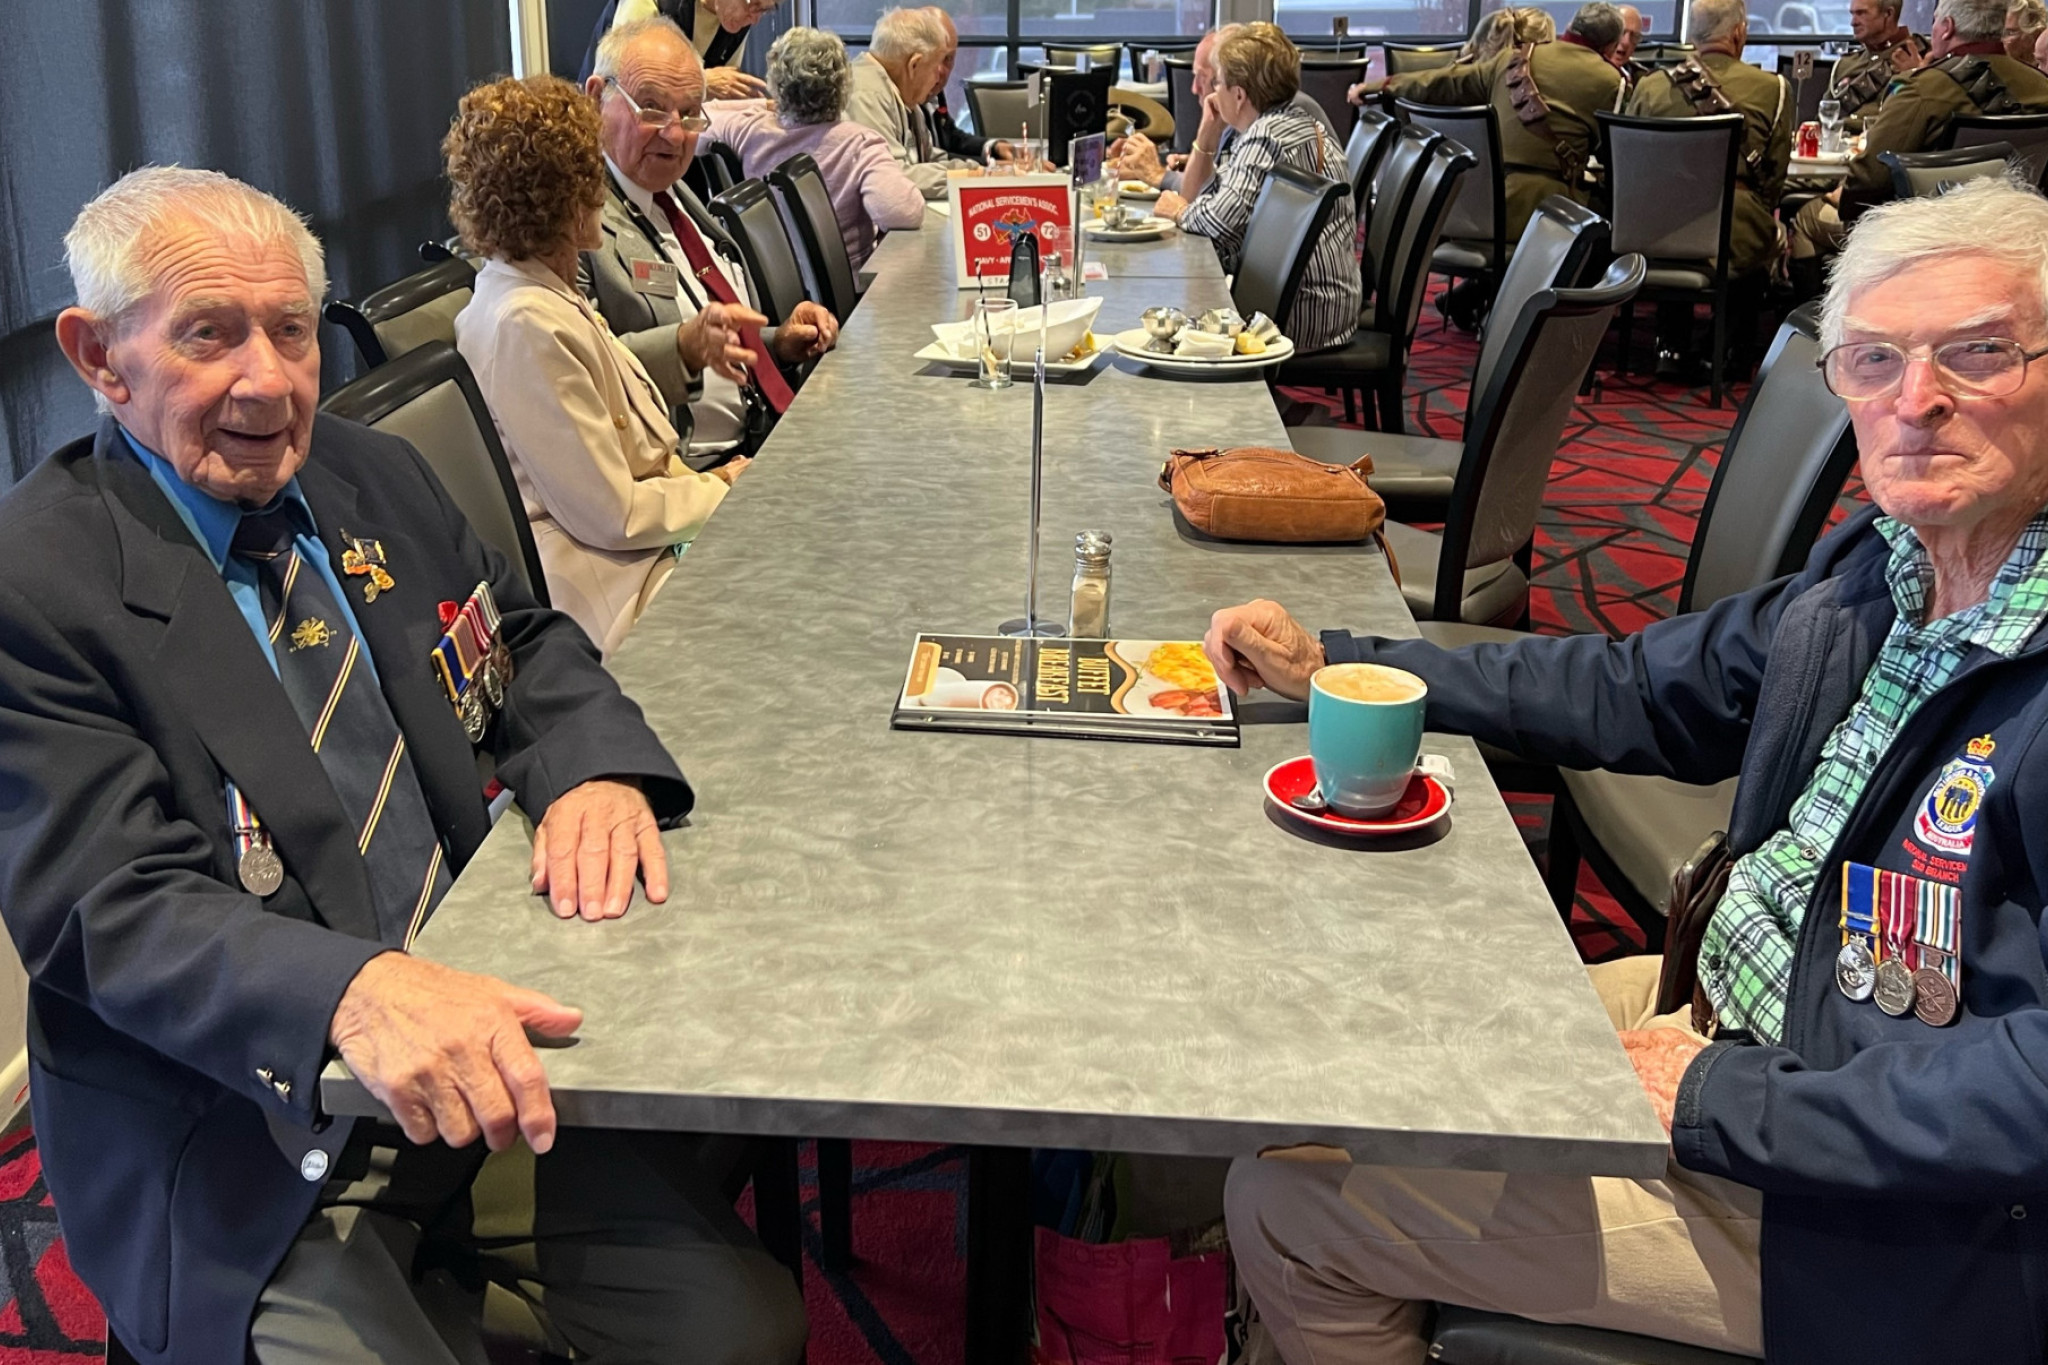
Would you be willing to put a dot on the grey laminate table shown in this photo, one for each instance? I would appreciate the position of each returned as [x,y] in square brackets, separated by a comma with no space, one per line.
[1015,942]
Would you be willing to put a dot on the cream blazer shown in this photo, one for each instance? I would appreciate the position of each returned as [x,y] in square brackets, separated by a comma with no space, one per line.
[590,443]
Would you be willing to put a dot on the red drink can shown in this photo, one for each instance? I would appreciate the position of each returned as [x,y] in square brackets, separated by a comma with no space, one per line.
[1809,140]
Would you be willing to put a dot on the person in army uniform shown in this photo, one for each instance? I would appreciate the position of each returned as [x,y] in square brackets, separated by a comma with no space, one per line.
[1889,50]
[1546,96]
[1715,80]
[1967,72]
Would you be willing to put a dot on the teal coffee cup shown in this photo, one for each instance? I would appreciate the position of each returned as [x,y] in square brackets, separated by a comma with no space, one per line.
[1364,735]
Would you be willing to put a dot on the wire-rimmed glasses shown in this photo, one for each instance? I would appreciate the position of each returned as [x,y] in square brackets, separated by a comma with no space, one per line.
[658,120]
[1975,367]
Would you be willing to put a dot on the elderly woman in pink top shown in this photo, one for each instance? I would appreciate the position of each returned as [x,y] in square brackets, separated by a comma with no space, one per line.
[808,77]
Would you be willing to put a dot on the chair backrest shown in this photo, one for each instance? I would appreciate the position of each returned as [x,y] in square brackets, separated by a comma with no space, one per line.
[1288,220]
[1403,58]
[1563,247]
[1181,101]
[1673,184]
[1922,175]
[1480,213]
[1076,105]
[429,397]
[1781,471]
[1516,422]
[1370,138]
[1163,48]
[1327,79]
[748,213]
[1407,155]
[1110,55]
[807,204]
[407,313]
[2026,134]
[1000,110]
[1422,228]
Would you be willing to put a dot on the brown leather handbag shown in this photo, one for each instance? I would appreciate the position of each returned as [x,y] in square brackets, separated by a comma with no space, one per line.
[1695,890]
[1276,496]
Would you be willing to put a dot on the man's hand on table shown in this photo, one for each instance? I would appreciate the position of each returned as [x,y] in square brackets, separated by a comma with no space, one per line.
[591,842]
[1260,645]
[711,340]
[446,1051]
[730,83]
[1169,205]
[1661,1056]
[809,331]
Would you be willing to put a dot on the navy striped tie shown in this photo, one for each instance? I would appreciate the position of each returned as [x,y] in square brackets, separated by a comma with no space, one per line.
[331,686]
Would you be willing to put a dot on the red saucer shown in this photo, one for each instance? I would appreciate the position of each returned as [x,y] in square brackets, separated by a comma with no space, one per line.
[1425,802]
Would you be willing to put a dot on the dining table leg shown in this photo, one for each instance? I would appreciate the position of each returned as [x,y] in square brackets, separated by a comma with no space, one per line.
[998,1255]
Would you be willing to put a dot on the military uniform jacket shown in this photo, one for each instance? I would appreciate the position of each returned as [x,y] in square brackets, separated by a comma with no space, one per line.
[1766,108]
[1917,113]
[1574,81]
[1863,78]
[173,1016]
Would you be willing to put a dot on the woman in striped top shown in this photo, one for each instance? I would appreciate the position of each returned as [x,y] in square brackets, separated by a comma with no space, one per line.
[1260,70]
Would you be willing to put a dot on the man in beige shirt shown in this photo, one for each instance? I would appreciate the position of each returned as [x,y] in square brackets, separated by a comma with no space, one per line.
[905,64]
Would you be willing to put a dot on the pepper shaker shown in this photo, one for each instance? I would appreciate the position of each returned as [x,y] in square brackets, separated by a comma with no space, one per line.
[1088,618]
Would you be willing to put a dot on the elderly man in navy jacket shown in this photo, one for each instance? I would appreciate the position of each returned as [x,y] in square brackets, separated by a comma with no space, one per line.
[1876,1088]
[234,781]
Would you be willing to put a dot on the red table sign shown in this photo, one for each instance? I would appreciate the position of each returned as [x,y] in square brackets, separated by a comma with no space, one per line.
[989,213]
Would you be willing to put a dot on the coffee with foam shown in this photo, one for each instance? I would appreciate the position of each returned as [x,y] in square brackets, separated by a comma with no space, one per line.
[1369,683]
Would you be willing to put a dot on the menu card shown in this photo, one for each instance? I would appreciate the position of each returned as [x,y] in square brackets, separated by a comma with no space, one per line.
[991,212]
[1159,690]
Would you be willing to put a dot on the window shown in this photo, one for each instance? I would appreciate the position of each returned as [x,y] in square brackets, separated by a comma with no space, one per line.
[1400,18]
[1100,21]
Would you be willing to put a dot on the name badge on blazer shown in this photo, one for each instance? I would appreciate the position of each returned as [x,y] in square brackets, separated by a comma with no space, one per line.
[655,278]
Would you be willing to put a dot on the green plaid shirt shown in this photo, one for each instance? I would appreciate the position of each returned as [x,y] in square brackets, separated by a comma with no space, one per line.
[1746,953]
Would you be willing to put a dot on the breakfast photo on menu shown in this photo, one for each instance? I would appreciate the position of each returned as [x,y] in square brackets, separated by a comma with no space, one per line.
[1160,690]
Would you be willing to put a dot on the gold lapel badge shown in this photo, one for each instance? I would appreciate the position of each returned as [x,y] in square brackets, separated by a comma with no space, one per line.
[367,557]
[310,632]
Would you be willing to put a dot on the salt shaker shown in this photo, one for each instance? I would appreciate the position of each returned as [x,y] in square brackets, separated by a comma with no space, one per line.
[1089,617]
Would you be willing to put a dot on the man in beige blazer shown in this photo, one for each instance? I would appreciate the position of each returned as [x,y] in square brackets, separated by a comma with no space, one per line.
[640,276]
[905,65]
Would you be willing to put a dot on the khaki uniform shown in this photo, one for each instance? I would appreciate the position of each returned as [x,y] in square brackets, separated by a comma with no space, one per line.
[1917,113]
[1574,81]
[1766,108]
[1862,79]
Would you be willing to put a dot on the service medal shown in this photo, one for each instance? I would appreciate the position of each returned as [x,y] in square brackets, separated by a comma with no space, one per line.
[470,707]
[1934,1000]
[494,684]
[1855,971]
[1894,989]
[261,870]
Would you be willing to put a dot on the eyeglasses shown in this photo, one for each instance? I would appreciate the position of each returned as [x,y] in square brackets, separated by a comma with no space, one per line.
[658,120]
[1975,367]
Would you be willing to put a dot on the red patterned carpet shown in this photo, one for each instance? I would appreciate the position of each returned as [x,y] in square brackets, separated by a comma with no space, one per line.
[1610,551]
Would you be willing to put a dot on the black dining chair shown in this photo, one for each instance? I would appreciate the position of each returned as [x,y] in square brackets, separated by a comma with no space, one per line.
[2026,134]
[1923,175]
[1327,78]
[1142,53]
[1815,89]
[1475,241]
[748,213]
[1110,55]
[1672,184]
[1288,220]
[807,207]
[1475,569]
[1369,140]
[429,397]
[714,169]
[1000,109]
[407,313]
[1779,478]
[1403,58]
[1564,247]
[1375,360]
[1181,101]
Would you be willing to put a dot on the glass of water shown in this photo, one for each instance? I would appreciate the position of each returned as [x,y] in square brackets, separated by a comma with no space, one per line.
[1831,125]
[994,319]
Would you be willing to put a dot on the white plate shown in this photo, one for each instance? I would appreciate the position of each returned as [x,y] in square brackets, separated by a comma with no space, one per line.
[1132,344]
[1146,230]
[1020,369]
[1143,191]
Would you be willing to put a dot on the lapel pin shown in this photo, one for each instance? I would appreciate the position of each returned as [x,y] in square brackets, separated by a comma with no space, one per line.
[367,557]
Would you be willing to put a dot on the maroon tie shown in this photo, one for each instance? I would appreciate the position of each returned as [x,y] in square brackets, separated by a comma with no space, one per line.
[767,376]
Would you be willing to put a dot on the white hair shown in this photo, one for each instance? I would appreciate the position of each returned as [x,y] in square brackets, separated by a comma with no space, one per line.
[1712,20]
[611,49]
[901,34]
[1975,20]
[1997,218]
[107,249]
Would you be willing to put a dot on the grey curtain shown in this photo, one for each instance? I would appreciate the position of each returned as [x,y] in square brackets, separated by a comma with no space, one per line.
[335,106]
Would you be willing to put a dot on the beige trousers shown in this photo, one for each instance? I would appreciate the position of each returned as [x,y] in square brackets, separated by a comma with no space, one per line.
[1343,1260]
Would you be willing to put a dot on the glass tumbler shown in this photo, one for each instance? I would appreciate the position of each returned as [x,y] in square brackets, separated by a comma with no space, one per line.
[1830,125]
[994,318]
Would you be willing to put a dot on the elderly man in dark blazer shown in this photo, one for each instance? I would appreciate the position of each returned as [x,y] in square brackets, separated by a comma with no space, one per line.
[234,785]
[666,278]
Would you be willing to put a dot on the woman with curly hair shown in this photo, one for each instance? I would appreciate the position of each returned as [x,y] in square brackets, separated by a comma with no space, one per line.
[597,461]
[808,77]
